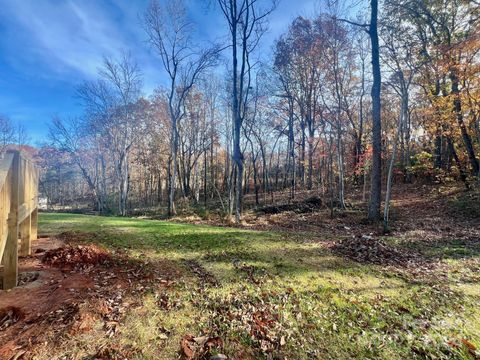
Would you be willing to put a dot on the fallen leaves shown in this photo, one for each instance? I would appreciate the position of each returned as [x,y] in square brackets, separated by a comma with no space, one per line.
[262,329]
[200,346]
[10,316]
[472,349]
[205,277]
[406,262]
[116,352]
[18,355]
[253,316]
[168,302]
[79,256]
[84,288]
[63,316]
[27,277]
[467,345]
[255,275]
[367,249]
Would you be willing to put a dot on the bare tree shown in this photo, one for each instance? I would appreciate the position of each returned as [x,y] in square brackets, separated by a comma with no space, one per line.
[112,108]
[7,132]
[170,33]
[69,136]
[246,21]
[21,135]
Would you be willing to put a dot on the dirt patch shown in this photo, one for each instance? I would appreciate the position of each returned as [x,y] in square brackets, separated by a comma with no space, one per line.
[66,290]
[48,307]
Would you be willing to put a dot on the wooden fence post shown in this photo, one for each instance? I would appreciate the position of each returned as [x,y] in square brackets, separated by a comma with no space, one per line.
[34,214]
[10,255]
[24,196]
[34,224]
[25,237]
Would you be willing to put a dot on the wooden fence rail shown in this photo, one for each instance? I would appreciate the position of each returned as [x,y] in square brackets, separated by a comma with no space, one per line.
[18,212]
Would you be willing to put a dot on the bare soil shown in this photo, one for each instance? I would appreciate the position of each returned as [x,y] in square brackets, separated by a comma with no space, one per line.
[66,289]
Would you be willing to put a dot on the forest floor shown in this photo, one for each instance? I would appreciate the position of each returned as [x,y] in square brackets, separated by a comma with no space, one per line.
[288,285]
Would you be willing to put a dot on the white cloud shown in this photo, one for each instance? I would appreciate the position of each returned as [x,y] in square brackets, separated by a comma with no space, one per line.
[65,40]
[64,35]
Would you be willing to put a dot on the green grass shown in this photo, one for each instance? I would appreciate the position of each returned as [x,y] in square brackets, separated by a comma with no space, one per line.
[321,305]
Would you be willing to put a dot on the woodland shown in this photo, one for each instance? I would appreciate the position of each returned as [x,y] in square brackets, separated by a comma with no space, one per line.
[392,97]
[316,200]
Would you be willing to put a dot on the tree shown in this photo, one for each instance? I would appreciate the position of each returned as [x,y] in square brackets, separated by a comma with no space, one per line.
[340,73]
[376,171]
[247,23]
[300,123]
[69,136]
[399,58]
[376,177]
[7,132]
[447,31]
[21,135]
[112,105]
[300,57]
[169,32]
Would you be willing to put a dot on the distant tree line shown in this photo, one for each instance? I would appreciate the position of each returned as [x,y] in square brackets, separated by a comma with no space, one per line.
[341,102]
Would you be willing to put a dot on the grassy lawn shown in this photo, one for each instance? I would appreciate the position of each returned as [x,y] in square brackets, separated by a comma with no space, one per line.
[279,296]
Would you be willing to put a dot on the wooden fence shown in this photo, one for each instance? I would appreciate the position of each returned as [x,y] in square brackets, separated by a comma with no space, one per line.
[18,212]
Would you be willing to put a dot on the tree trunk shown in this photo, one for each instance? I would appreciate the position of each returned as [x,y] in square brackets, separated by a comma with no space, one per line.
[405,130]
[376,175]
[172,171]
[390,173]
[457,103]
[237,122]
[341,176]
[310,159]
[255,178]
[301,163]
[463,175]
[437,157]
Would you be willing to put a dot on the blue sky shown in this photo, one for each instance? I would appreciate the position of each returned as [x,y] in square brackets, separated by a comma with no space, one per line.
[49,47]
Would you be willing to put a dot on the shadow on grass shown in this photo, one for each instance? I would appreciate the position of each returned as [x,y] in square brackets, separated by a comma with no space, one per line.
[218,247]
[445,249]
